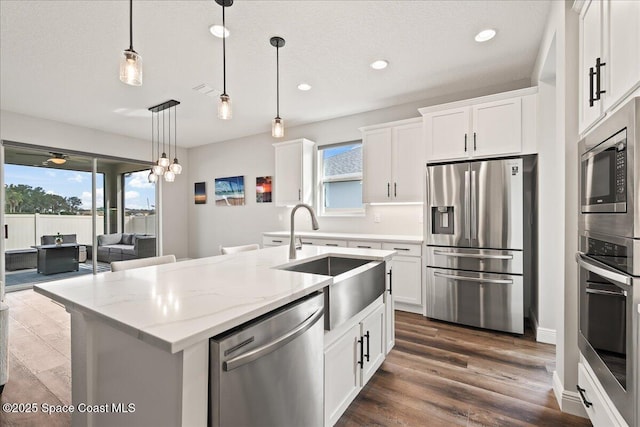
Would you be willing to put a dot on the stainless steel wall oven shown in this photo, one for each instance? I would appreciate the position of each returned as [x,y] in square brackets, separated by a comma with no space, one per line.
[609,256]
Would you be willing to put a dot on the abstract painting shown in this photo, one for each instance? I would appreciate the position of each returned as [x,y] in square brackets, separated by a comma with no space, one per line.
[200,193]
[263,189]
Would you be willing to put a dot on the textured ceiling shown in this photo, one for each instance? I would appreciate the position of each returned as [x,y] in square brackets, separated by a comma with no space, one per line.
[59,59]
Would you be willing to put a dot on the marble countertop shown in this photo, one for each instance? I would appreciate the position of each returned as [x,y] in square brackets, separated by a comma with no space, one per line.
[398,238]
[174,306]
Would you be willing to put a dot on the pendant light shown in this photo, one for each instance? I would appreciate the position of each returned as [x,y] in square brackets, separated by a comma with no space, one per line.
[277,126]
[224,106]
[131,62]
[161,166]
[175,167]
[169,176]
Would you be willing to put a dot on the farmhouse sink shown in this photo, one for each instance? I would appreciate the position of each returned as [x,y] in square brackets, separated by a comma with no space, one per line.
[356,284]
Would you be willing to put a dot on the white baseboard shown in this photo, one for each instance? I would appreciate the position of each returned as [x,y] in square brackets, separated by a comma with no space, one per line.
[408,307]
[543,335]
[569,401]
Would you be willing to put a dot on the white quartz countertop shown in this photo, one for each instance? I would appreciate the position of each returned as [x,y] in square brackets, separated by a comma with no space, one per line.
[398,238]
[174,306]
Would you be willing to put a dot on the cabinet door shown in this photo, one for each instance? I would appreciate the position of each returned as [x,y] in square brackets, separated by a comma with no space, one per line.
[389,313]
[288,177]
[622,71]
[447,134]
[372,333]
[407,154]
[407,279]
[497,128]
[590,45]
[341,374]
[376,147]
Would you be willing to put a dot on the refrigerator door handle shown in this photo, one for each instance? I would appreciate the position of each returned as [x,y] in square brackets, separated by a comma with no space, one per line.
[474,207]
[467,233]
[473,279]
[480,256]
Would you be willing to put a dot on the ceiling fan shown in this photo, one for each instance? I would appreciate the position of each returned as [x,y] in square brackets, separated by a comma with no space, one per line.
[56,158]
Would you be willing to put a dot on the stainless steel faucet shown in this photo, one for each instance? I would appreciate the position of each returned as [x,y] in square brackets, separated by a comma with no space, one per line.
[314,224]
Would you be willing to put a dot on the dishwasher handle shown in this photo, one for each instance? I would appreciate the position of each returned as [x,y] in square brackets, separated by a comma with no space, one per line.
[257,353]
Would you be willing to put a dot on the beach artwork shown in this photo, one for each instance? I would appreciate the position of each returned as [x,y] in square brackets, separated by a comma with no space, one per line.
[230,191]
[263,189]
[200,193]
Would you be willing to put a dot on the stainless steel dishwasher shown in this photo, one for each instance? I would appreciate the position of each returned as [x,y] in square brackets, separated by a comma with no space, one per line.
[269,372]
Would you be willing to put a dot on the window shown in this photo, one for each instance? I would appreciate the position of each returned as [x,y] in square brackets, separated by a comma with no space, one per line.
[139,203]
[340,178]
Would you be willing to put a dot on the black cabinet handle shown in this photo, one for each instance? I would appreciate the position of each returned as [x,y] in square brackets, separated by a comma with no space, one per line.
[474,141]
[388,190]
[331,244]
[390,281]
[277,241]
[395,189]
[361,361]
[598,91]
[591,97]
[364,247]
[299,195]
[465,142]
[401,249]
[368,337]
[584,398]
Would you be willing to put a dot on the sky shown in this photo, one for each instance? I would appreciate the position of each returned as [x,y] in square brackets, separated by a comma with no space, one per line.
[139,192]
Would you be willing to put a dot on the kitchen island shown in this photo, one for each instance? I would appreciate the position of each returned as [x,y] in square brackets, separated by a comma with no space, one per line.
[140,338]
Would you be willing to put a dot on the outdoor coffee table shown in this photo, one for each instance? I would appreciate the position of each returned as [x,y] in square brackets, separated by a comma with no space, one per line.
[57,258]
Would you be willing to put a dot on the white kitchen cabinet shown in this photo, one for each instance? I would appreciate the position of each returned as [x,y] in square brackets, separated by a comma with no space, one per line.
[324,242]
[364,244]
[269,241]
[406,276]
[609,56]
[601,411]
[393,162]
[482,129]
[351,359]
[294,172]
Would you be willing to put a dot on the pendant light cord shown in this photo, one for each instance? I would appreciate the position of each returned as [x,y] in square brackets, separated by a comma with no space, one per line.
[131,25]
[175,131]
[224,60]
[169,133]
[163,117]
[152,140]
[278,80]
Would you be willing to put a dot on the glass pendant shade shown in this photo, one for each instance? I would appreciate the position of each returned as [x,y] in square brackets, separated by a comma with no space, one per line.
[224,107]
[277,128]
[157,169]
[169,176]
[164,161]
[152,177]
[131,68]
[176,167]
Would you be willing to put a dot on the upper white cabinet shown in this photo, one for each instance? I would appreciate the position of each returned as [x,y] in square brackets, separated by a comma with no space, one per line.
[490,126]
[294,172]
[393,162]
[609,48]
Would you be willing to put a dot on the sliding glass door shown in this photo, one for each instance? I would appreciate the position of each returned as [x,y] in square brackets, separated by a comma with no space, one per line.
[64,211]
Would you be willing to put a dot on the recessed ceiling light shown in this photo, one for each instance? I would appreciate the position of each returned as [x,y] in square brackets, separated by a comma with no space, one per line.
[379,64]
[304,86]
[216,30]
[485,35]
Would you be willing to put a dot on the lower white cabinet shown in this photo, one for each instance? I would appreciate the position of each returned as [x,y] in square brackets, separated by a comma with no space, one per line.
[389,313]
[324,242]
[351,360]
[600,409]
[407,276]
[268,241]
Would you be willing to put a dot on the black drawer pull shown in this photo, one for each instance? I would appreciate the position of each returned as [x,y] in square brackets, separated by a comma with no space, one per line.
[368,337]
[401,249]
[361,361]
[277,241]
[364,247]
[584,398]
[331,244]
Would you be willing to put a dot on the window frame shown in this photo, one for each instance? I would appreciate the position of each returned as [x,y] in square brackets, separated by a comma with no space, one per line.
[321,180]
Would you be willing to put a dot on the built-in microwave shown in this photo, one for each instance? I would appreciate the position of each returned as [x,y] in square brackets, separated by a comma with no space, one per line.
[610,174]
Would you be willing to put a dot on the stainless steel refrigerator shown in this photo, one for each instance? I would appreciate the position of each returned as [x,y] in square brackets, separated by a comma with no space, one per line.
[480,234]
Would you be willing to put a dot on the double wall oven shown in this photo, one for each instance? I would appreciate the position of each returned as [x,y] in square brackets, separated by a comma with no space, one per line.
[609,256]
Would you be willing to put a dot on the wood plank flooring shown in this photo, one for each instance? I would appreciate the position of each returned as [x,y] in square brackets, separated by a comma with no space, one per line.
[439,374]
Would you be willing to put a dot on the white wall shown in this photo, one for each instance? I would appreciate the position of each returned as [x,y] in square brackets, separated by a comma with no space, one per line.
[212,226]
[48,133]
[560,212]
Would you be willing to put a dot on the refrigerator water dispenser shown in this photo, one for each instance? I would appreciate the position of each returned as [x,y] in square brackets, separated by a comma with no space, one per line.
[442,219]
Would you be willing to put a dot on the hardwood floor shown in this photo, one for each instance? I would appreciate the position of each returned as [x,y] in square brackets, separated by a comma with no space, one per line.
[439,374]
